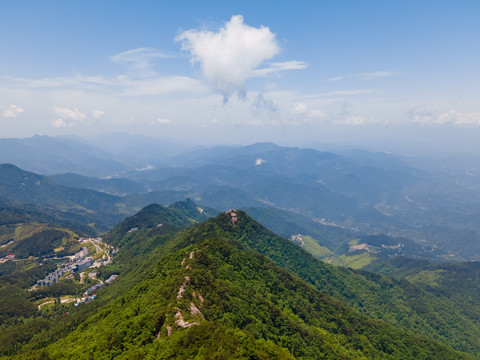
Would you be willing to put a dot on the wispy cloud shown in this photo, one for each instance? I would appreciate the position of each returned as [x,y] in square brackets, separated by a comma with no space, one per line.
[341,93]
[140,58]
[119,86]
[422,115]
[159,86]
[367,76]
[12,112]
[233,54]
[77,81]
[281,66]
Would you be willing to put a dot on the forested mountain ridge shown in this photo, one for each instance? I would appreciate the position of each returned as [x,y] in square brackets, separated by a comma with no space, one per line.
[213,300]
[398,302]
[13,214]
[180,214]
[96,210]
[86,205]
[30,188]
[204,292]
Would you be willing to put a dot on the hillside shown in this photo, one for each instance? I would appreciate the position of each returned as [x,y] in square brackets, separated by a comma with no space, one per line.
[223,302]
[13,214]
[99,209]
[398,302]
[95,210]
[178,215]
[155,240]
[205,293]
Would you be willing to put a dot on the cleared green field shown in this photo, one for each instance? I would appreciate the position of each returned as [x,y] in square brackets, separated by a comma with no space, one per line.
[312,246]
[354,261]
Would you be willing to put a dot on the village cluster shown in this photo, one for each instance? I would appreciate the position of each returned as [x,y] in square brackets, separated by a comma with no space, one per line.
[80,261]
[89,295]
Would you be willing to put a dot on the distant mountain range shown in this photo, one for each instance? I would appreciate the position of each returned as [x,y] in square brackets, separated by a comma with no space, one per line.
[435,205]
[49,155]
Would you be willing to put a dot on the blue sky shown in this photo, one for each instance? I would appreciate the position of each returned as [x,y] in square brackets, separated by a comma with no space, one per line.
[350,72]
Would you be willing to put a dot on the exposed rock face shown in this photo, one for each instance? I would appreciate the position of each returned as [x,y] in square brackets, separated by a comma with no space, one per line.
[193,309]
[233,215]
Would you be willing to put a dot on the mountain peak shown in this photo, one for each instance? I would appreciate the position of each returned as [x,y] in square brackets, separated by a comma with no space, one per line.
[232,214]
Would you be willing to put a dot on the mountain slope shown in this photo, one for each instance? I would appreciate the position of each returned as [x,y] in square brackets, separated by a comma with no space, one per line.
[215,299]
[99,209]
[203,292]
[286,223]
[178,215]
[15,214]
[398,302]
[27,187]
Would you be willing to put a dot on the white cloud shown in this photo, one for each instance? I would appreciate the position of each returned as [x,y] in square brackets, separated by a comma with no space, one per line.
[465,118]
[230,56]
[12,112]
[59,123]
[163,121]
[140,58]
[452,117]
[97,114]
[260,161]
[364,76]
[66,113]
[67,117]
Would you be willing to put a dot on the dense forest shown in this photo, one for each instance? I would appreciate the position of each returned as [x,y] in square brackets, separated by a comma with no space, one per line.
[227,287]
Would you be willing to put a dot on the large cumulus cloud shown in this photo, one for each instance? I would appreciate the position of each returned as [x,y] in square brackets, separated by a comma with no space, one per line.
[232,55]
